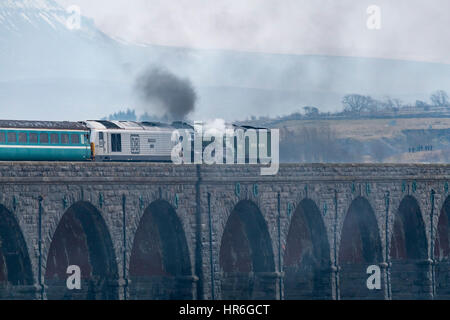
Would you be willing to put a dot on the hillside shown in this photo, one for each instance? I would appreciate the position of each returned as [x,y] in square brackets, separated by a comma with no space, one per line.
[51,72]
[422,140]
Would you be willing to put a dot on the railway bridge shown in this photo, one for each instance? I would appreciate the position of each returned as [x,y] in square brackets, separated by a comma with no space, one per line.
[164,231]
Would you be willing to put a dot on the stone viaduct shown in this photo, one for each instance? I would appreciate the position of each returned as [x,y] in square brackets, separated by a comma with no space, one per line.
[162,231]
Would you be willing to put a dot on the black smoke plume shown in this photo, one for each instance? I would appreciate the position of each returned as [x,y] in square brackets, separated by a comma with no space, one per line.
[176,96]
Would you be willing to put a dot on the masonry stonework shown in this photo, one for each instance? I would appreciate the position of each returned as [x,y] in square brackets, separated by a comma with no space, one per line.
[164,231]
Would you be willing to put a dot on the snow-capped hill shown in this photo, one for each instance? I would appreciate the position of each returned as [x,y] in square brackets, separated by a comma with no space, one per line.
[46,65]
[30,4]
[19,17]
[15,15]
[36,42]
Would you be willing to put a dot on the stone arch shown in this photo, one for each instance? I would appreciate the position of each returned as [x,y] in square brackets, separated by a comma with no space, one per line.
[306,260]
[360,246]
[160,266]
[82,238]
[442,252]
[409,253]
[15,264]
[246,255]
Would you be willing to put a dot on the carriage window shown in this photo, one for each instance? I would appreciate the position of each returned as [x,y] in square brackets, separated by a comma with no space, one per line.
[75,138]
[12,137]
[116,142]
[23,137]
[33,137]
[2,137]
[54,138]
[64,138]
[43,138]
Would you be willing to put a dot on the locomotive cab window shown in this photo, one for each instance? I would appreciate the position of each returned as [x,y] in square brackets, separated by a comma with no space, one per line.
[2,137]
[54,138]
[116,142]
[43,138]
[12,137]
[33,137]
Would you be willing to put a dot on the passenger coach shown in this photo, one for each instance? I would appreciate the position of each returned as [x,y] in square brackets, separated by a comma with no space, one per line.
[44,140]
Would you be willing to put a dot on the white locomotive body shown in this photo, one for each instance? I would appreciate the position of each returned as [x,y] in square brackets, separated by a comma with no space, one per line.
[130,141]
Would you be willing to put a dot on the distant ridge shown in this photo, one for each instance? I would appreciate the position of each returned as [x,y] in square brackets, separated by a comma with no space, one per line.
[76,74]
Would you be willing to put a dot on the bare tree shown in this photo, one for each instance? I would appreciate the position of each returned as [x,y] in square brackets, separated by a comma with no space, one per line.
[356,103]
[391,104]
[423,105]
[439,98]
[398,104]
[311,111]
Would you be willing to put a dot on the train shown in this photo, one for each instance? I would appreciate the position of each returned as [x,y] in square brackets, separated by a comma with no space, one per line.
[90,140]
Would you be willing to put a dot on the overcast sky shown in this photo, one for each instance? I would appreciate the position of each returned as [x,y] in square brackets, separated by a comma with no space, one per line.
[410,29]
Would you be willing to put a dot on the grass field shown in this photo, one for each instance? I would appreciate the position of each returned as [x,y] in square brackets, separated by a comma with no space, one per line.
[366,140]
